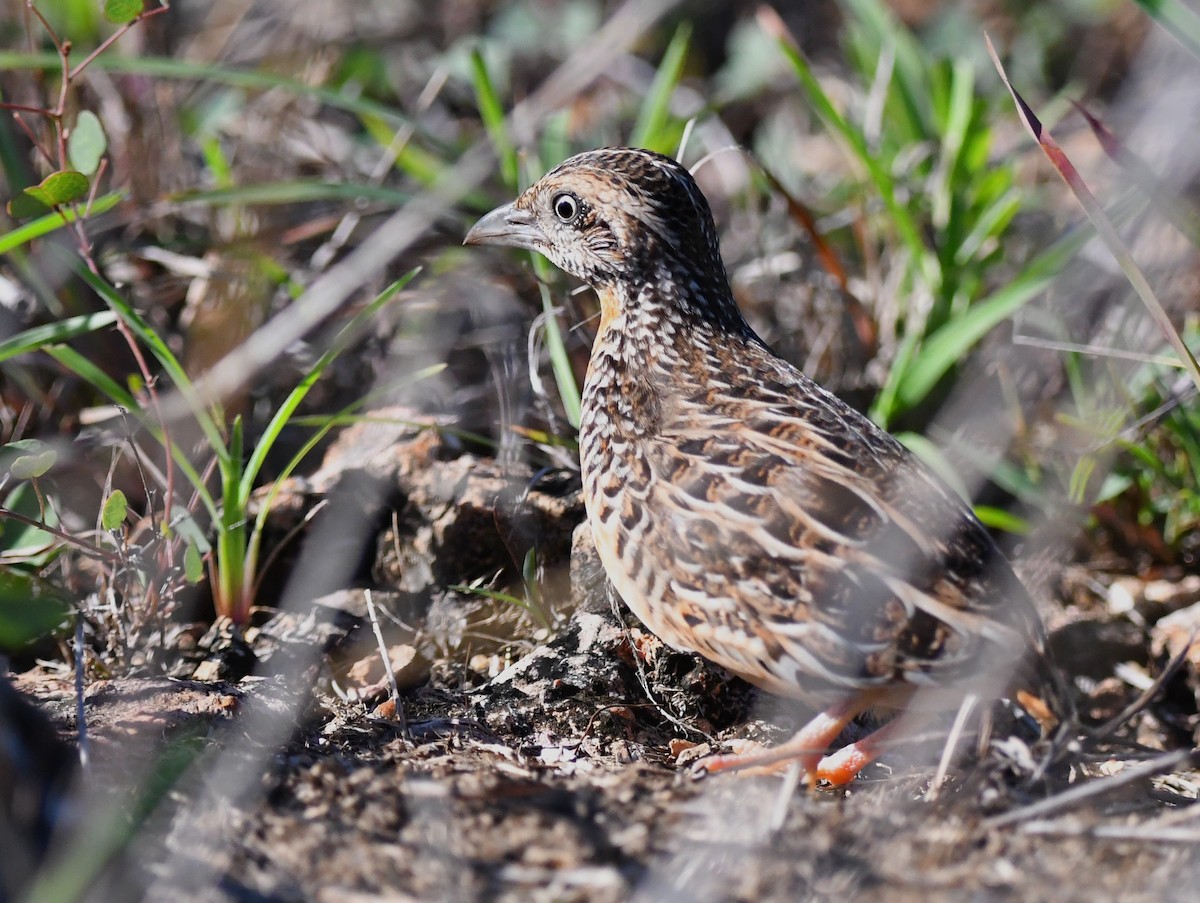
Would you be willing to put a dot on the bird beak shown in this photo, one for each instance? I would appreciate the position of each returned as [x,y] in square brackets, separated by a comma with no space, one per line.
[509,226]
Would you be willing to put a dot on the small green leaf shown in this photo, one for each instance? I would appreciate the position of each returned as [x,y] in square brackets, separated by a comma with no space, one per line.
[87,143]
[999,519]
[1114,484]
[931,454]
[56,189]
[29,608]
[25,205]
[112,515]
[61,188]
[193,564]
[121,11]
[48,222]
[29,459]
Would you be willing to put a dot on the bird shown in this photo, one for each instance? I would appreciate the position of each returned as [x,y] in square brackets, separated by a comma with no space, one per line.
[747,514]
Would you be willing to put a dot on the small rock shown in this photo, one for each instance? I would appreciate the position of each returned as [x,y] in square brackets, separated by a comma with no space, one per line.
[686,754]
[1175,632]
[678,746]
[471,518]
[385,711]
[366,677]
[590,589]
[390,445]
[1093,648]
[1151,598]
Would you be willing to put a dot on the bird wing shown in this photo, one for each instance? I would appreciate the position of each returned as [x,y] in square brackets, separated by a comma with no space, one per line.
[808,544]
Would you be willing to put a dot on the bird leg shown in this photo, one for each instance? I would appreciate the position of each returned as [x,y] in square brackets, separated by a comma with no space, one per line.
[810,744]
[843,766]
[808,747]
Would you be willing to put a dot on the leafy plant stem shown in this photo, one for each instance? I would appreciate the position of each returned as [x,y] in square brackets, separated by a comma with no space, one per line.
[1100,221]
[40,524]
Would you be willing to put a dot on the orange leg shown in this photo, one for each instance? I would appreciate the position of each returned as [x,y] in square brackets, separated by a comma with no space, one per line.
[842,767]
[810,744]
[808,747]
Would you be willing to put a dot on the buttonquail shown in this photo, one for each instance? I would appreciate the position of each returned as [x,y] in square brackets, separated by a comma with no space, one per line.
[742,511]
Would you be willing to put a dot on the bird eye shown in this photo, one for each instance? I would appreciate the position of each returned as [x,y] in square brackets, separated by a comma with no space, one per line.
[566,208]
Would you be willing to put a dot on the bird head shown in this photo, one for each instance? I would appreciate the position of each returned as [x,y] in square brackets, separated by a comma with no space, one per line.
[618,218]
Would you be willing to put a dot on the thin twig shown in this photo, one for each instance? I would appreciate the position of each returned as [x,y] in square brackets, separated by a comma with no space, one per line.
[1139,357]
[1089,789]
[81,544]
[643,678]
[1139,833]
[791,780]
[33,139]
[1148,694]
[20,107]
[387,666]
[970,701]
[116,36]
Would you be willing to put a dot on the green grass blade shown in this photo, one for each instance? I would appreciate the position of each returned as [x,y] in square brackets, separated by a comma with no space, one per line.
[928,451]
[950,343]
[856,144]
[556,143]
[86,370]
[294,193]
[560,361]
[51,222]
[506,598]
[998,519]
[232,596]
[649,130]
[878,24]
[145,334]
[217,161]
[54,333]
[988,224]
[284,414]
[491,111]
[958,119]
[254,546]
[114,825]
[931,454]
[324,424]
[887,404]
[183,70]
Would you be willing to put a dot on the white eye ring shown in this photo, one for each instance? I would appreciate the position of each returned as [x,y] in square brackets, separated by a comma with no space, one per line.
[566,208]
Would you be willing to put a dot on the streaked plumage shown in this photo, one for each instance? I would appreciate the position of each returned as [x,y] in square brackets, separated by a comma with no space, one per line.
[740,510]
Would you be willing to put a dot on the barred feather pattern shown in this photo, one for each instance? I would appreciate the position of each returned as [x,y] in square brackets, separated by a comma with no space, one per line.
[740,510]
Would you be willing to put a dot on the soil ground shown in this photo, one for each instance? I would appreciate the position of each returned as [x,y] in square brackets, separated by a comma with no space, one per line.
[569,775]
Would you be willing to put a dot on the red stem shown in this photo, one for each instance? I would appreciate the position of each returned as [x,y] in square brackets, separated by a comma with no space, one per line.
[112,38]
[82,545]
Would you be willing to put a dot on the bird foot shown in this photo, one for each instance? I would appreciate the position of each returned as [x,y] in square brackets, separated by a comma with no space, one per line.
[808,748]
[837,769]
